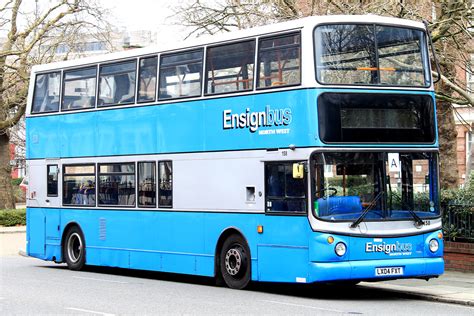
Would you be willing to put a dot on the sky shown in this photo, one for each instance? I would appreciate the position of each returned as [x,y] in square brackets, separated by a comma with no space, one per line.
[146,15]
[133,15]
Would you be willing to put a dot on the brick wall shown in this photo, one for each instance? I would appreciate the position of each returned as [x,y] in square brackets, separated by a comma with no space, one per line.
[459,256]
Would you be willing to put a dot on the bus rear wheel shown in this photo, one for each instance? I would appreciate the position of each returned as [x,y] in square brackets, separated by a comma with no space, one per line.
[235,262]
[74,249]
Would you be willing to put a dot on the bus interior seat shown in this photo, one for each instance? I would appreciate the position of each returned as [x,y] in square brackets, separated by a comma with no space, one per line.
[339,205]
[83,102]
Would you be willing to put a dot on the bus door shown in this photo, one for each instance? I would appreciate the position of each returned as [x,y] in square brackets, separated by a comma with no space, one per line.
[43,200]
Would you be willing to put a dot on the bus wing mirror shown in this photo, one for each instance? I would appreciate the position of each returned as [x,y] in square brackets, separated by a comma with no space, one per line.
[298,171]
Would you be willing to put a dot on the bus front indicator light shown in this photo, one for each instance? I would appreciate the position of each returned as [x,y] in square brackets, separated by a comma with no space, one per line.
[434,245]
[340,249]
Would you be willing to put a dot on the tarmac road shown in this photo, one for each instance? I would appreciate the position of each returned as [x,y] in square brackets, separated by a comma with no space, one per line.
[31,286]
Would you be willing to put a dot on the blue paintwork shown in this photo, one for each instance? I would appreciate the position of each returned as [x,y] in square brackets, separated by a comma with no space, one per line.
[185,242]
[192,126]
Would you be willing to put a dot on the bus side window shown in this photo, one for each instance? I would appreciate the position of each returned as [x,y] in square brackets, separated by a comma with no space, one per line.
[46,95]
[147,80]
[79,185]
[52,182]
[117,184]
[147,184]
[230,67]
[79,88]
[279,61]
[283,192]
[165,180]
[180,74]
[117,83]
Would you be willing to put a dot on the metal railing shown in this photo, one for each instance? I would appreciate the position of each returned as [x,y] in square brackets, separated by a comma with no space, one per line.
[458,222]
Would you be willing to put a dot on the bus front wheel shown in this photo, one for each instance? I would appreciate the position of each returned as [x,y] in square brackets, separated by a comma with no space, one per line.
[235,262]
[74,249]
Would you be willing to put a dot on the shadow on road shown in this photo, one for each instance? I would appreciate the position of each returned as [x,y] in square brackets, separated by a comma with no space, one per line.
[324,291]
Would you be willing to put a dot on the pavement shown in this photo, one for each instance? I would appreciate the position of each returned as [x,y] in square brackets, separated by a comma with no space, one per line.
[451,287]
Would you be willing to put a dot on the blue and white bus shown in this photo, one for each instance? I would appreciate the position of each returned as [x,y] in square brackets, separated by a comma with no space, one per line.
[305,151]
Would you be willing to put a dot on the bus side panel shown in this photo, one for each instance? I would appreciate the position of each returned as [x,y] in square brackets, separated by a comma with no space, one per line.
[42,137]
[35,232]
[83,127]
[193,126]
[185,242]
[42,233]
[283,249]
[151,240]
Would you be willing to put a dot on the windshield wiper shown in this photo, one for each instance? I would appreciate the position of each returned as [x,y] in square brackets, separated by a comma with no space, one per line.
[367,209]
[418,221]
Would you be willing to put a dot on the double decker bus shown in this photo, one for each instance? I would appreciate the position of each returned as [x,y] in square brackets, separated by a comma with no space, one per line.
[304,151]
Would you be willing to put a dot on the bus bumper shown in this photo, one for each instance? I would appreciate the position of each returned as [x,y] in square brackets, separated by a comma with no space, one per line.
[366,270]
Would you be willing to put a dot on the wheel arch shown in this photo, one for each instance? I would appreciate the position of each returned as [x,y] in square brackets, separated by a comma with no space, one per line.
[65,231]
[220,242]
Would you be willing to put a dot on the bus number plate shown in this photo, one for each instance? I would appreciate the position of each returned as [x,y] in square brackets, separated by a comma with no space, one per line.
[388,271]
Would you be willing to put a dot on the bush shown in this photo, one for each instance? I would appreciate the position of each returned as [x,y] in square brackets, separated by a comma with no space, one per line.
[16,182]
[458,212]
[12,217]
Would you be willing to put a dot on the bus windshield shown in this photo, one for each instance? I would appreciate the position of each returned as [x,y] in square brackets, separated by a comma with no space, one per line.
[366,54]
[388,185]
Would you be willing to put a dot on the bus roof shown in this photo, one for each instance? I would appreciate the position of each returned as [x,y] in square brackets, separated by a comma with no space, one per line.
[230,36]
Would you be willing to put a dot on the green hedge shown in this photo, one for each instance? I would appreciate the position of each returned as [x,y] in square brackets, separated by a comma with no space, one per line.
[12,217]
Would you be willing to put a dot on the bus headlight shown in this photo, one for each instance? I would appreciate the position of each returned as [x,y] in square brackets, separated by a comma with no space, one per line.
[434,245]
[340,249]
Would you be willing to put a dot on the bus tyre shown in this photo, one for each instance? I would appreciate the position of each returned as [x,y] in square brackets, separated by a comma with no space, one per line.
[74,249]
[235,262]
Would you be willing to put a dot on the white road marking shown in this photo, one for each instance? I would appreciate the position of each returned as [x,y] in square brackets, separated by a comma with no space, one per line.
[305,306]
[102,280]
[88,311]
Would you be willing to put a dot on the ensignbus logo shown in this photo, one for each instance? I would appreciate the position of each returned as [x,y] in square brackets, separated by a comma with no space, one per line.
[388,248]
[254,120]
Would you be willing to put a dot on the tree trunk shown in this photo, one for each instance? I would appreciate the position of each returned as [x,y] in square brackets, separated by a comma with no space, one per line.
[7,199]
[449,177]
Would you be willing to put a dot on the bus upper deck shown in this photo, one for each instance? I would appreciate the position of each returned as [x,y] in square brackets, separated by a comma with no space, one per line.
[310,61]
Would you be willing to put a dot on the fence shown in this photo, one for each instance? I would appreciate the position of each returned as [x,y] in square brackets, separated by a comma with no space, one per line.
[458,222]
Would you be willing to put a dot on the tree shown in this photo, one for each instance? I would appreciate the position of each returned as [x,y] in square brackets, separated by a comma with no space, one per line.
[449,23]
[32,35]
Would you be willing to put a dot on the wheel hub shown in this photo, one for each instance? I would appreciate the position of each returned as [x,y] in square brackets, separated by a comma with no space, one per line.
[74,248]
[233,261]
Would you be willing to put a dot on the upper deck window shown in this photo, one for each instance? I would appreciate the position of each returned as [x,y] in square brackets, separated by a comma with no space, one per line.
[180,74]
[371,55]
[147,80]
[279,61]
[230,67]
[46,97]
[117,83]
[79,88]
